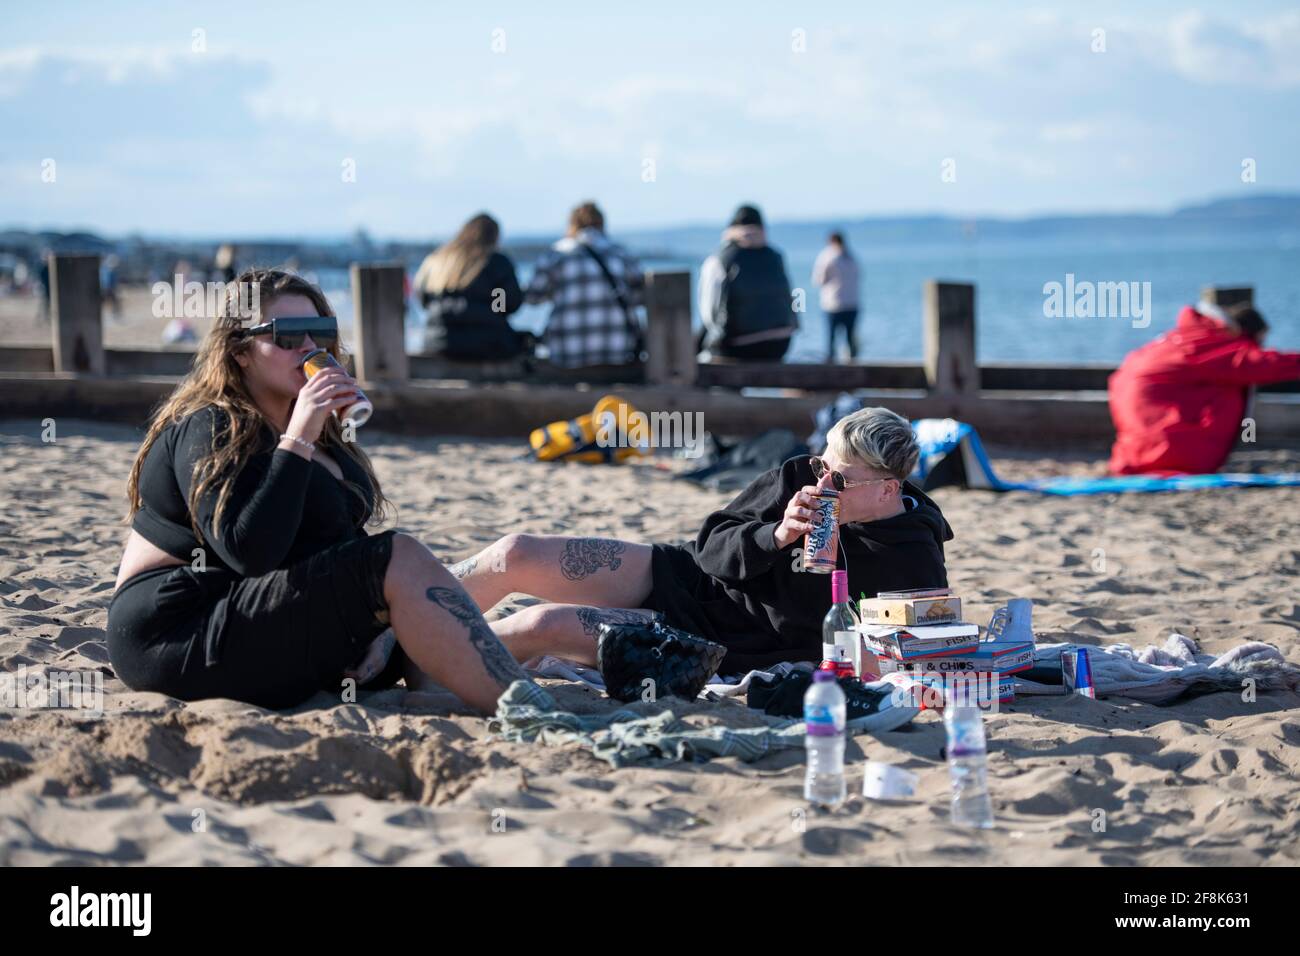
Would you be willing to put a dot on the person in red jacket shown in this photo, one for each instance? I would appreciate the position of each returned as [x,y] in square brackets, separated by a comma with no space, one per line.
[1177,403]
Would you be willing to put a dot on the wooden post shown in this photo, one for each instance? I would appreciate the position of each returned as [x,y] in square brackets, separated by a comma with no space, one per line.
[75,314]
[1226,297]
[948,314]
[670,345]
[379,304]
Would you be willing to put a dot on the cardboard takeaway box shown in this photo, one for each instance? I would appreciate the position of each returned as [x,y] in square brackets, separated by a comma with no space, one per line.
[910,611]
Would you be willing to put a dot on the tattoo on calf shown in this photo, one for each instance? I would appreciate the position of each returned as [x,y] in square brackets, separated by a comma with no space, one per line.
[591,618]
[462,569]
[502,668]
[583,557]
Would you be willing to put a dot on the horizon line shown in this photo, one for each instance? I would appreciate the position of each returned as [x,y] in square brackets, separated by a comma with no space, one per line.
[855,219]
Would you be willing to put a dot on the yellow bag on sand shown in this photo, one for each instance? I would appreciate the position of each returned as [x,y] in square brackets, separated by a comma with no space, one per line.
[599,437]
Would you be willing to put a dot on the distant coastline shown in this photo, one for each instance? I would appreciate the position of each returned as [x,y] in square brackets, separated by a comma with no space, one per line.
[1277,213]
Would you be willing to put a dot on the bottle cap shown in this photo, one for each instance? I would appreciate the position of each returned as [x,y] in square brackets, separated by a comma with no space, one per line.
[823,677]
[839,586]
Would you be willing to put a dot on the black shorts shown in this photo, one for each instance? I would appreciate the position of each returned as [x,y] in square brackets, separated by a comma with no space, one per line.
[697,602]
[272,640]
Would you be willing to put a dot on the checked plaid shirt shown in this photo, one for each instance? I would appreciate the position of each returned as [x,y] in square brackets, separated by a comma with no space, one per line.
[587,326]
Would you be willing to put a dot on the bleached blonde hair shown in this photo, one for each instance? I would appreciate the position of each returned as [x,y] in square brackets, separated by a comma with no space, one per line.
[877,438]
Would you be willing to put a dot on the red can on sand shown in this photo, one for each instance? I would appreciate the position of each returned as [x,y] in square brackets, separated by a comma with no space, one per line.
[821,544]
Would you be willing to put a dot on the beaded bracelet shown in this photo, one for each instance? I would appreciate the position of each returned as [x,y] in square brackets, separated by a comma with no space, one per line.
[301,441]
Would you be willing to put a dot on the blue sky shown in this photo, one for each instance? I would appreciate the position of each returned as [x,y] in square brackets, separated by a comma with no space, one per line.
[249,134]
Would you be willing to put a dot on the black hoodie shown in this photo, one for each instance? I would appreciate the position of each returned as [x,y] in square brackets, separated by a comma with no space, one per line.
[755,601]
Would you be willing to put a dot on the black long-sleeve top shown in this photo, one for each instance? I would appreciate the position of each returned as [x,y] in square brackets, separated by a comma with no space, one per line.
[282,507]
[772,608]
[472,322]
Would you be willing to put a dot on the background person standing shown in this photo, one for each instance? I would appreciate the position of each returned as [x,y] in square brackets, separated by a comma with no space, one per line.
[836,273]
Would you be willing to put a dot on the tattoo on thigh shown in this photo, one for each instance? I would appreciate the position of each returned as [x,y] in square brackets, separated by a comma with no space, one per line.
[591,618]
[462,569]
[585,556]
[503,668]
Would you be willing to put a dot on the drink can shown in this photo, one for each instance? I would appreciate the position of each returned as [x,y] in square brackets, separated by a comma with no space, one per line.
[821,544]
[357,413]
[1076,670]
[838,659]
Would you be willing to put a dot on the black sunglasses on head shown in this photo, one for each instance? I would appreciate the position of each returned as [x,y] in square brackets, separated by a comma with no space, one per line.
[289,331]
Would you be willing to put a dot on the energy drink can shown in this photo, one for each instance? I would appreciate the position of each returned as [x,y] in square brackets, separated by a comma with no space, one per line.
[1076,671]
[359,412]
[821,544]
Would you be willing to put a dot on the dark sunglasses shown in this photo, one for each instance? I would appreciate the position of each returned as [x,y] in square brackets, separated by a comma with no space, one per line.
[288,332]
[839,481]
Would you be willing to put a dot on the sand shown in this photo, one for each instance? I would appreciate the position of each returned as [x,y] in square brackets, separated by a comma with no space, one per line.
[409,778]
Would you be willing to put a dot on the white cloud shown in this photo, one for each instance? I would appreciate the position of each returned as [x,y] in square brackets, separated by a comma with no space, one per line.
[1034,118]
[1259,53]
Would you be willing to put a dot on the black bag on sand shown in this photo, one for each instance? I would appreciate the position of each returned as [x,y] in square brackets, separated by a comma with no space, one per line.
[679,663]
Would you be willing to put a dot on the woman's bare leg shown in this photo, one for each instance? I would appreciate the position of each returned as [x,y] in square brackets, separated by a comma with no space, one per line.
[564,630]
[442,630]
[596,571]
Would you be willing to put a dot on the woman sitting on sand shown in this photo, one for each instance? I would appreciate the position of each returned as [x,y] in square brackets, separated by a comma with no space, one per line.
[247,573]
[740,582]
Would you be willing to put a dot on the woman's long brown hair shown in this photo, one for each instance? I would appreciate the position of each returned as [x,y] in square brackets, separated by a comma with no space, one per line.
[455,264]
[216,379]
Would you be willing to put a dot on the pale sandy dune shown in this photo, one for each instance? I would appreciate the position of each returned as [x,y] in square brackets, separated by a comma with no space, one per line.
[401,778]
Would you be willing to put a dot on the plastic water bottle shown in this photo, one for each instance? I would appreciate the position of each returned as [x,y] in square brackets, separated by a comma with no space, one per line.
[967,768]
[824,715]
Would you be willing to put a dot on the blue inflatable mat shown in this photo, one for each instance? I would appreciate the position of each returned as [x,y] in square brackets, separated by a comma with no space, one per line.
[951,453]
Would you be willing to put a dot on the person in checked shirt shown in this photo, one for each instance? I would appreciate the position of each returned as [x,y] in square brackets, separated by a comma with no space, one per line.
[595,288]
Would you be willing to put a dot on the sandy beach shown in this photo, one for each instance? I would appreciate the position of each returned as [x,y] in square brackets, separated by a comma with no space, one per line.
[407,778]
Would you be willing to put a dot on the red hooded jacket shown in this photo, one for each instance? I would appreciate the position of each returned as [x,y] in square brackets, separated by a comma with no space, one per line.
[1177,402]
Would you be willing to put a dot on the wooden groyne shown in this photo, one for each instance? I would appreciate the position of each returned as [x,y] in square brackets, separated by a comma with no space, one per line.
[1023,403]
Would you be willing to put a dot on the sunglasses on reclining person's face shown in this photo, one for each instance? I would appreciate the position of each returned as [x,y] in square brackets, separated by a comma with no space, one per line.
[288,332]
[838,480]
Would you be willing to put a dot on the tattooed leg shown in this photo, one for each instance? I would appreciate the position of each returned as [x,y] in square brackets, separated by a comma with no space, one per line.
[562,630]
[441,629]
[463,569]
[583,557]
[602,572]
[591,618]
[495,657]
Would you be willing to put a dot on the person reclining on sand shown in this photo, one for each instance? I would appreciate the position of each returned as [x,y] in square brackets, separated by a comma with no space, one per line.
[247,572]
[740,581]
[1177,402]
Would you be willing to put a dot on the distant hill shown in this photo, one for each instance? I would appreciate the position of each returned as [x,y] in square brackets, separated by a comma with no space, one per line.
[141,256]
[1265,213]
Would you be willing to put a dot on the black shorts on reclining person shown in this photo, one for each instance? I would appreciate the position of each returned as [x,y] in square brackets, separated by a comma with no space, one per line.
[273,640]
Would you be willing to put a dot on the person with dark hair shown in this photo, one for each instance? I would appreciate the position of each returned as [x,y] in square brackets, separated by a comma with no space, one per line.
[744,298]
[836,273]
[469,289]
[248,572]
[594,287]
[1178,402]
